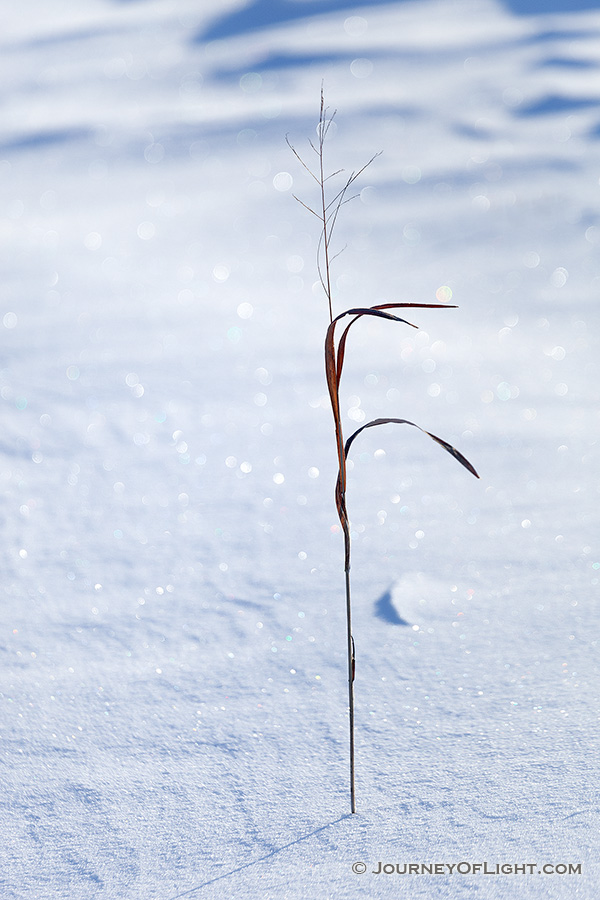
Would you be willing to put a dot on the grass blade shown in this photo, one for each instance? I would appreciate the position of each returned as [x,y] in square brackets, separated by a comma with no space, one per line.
[448,447]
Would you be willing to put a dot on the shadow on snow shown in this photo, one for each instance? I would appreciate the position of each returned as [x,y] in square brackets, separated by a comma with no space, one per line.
[535,7]
[266,13]
[254,862]
[385,609]
[37,139]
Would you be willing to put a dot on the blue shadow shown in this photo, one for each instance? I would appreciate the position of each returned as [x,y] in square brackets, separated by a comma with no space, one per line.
[265,13]
[554,103]
[38,139]
[538,7]
[260,859]
[385,609]
[280,61]
[559,62]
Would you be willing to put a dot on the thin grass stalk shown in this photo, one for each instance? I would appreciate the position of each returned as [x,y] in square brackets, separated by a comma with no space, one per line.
[351,669]
[334,361]
[322,133]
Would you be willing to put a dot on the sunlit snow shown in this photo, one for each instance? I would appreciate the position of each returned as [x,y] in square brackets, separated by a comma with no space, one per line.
[173,687]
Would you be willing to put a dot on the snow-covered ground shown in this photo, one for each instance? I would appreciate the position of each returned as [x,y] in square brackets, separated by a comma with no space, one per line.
[173,687]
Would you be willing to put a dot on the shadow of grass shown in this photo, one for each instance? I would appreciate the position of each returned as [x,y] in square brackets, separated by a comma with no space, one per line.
[260,859]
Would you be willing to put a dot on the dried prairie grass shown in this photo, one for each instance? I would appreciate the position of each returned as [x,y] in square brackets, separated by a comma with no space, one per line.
[327,214]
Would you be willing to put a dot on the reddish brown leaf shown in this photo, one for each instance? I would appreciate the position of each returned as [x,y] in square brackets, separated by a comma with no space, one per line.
[452,450]
[375,310]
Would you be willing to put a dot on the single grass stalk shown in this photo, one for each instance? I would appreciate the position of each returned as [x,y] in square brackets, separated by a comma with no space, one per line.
[327,214]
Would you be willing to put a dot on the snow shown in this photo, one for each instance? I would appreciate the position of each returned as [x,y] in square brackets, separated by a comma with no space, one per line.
[173,691]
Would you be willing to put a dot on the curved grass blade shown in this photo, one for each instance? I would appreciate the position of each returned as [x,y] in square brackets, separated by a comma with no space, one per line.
[380,306]
[334,360]
[448,447]
[333,364]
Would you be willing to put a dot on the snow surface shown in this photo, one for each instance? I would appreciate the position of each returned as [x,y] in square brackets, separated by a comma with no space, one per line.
[173,691]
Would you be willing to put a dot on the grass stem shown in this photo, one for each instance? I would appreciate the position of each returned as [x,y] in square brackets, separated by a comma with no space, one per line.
[334,361]
[351,672]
